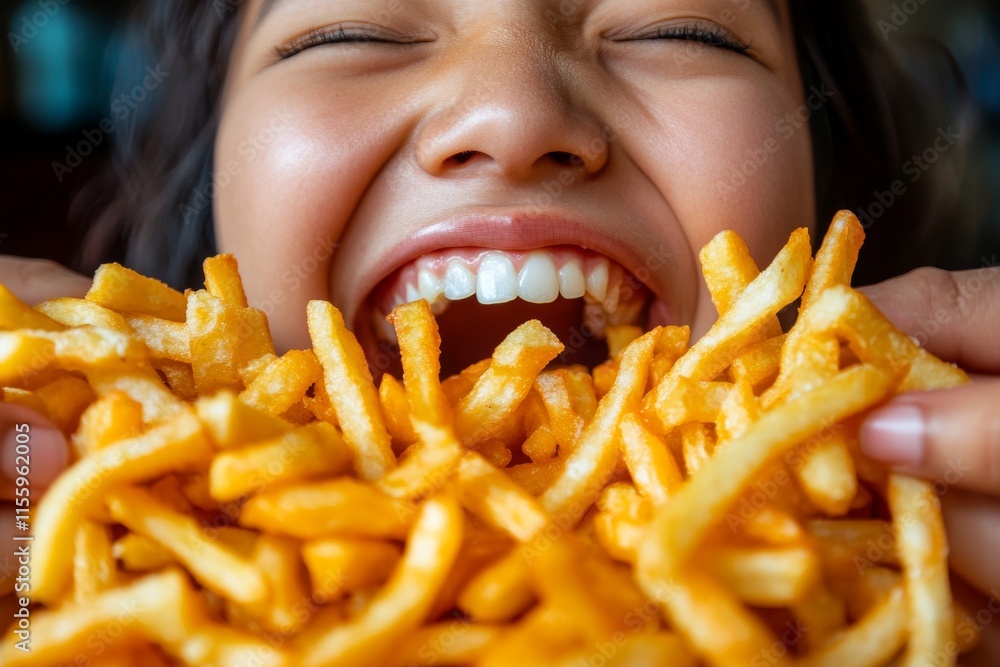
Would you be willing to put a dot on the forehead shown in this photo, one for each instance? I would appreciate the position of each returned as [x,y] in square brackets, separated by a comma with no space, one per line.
[264,7]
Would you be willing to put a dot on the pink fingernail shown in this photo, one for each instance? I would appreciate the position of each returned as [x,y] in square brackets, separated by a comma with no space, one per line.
[895,435]
[44,448]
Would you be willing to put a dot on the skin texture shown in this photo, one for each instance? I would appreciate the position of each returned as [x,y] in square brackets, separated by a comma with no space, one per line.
[367,134]
[329,158]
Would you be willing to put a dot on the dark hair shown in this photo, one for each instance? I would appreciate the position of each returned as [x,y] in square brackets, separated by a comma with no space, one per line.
[154,200]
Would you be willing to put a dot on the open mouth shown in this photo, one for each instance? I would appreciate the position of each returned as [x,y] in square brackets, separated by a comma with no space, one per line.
[480,295]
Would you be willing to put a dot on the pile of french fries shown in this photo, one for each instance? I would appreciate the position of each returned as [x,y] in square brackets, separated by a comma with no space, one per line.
[677,505]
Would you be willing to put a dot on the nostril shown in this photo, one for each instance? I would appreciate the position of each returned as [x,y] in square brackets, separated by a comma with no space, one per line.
[569,159]
[461,158]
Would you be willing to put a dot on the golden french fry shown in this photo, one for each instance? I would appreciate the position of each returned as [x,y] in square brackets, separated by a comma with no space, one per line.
[420,349]
[396,412]
[776,287]
[836,258]
[214,566]
[138,553]
[728,268]
[345,565]
[651,465]
[71,312]
[565,421]
[871,641]
[504,385]
[923,554]
[500,591]
[176,444]
[309,452]
[489,494]
[283,382]
[349,384]
[93,564]
[401,606]
[338,508]
[222,280]
[768,577]
[15,314]
[125,291]
[230,422]
[684,522]
[592,462]
[27,352]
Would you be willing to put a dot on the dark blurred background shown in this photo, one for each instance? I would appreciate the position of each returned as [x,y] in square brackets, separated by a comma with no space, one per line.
[59,61]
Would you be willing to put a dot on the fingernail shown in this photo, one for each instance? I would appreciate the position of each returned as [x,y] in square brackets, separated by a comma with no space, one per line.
[895,435]
[45,449]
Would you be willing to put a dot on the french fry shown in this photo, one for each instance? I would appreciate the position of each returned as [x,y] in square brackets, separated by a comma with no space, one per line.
[71,312]
[222,280]
[770,577]
[651,465]
[165,339]
[93,564]
[125,291]
[173,445]
[776,287]
[500,591]
[217,568]
[502,387]
[15,314]
[674,505]
[592,462]
[923,554]
[339,508]
[685,521]
[402,605]
[309,452]
[230,422]
[349,384]
[489,494]
[346,565]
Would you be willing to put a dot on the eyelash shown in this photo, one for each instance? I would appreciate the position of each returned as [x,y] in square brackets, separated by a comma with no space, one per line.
[337,35]
[716,37]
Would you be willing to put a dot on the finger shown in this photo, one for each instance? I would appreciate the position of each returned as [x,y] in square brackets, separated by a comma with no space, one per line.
[981,616]
[23,430]
[8,562]
[953,314]
[972,522]
[35,280]
[951,435]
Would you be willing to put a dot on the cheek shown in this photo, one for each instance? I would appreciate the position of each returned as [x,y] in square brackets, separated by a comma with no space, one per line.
[291,168]
[735,155]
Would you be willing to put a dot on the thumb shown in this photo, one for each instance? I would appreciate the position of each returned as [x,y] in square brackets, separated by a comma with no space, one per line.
[950,435]
[31,447]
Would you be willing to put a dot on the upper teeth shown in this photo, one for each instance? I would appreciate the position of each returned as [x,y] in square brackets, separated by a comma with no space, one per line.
[493,277]
[538,281]
[497,279]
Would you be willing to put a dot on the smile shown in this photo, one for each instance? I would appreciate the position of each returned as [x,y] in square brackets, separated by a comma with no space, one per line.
[491,278]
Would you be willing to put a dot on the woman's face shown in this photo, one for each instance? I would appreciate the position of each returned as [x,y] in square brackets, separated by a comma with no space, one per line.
[372,152]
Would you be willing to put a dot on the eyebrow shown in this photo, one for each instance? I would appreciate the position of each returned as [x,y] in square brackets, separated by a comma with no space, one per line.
[268,5]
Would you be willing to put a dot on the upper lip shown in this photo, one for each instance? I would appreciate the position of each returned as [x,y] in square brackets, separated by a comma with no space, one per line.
[510,230]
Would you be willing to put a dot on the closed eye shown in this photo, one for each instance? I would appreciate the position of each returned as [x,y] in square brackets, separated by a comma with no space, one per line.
[715,36]
[338,35]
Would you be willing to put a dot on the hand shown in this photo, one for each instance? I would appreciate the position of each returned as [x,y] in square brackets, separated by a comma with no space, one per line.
[951,436]
[31,281]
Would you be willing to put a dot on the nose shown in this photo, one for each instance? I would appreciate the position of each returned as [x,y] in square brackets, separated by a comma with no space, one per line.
[516,118]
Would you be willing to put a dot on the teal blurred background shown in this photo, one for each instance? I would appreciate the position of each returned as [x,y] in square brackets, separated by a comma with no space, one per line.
[60,58]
